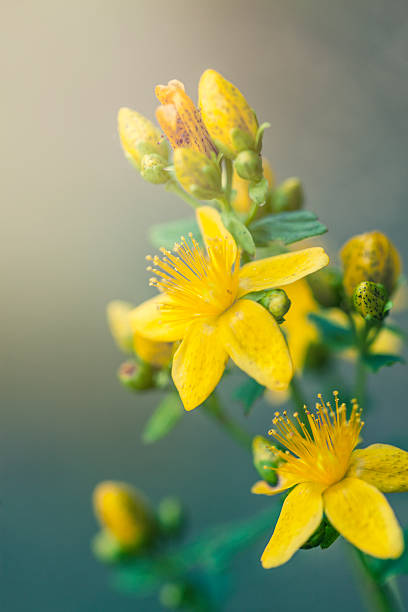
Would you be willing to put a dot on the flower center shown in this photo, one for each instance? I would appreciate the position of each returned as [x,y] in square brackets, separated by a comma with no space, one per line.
[197,285]
[321,452]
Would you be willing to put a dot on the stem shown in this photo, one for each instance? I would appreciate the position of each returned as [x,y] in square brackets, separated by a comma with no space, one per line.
[228,182]
[384,596]
[214,408]
[174,187]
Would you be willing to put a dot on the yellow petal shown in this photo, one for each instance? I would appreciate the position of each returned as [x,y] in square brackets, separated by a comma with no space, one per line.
[280,270]
[158,354]
[252,338]
[301,331]
[382,465]
[198,363]
[118,318]
[364,517]
[212,228]
[154,321]
[301,515]
[285,481]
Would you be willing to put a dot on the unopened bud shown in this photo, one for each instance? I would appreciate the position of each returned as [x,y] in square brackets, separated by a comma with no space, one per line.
[124,512]
[248,165]
[327,286]
[276,302]
[170,515]
[136,376]
[370,257]
[288,196]
[198,174]
[119,323]
[152,169]
[265,460]
[139,137]
[106,547]
[369,300]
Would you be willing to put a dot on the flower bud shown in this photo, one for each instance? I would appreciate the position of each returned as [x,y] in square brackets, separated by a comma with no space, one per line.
[370,257]
[153,169]
[118,319]
[139,137]
[229,119]
[369,300]
[248,165]
[199,175]
[136,376]
[170,515]
[265,460]
[327,286]
[124,512]
[288,196]
[276,302]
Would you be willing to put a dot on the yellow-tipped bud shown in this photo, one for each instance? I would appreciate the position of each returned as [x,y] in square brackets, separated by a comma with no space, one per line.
[229,119]
[288,196]
[370,257]
[241,202]
[119,324]
[139,137]
[199,175]
[265,460]
[369,300]
[124,512]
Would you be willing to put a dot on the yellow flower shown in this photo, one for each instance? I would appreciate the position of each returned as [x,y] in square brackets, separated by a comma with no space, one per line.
[202,302]
[229,119]
[180,120]
[241,202]
[157,354]
[140,137]
[124,512]
[330,477]
[370,257]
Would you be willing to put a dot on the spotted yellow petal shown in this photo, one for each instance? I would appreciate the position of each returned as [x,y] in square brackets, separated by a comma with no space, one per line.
[280,270]
[364,517]
[301,515]
[252,338]
[154,320]
[212,228]
[198,363]
[285,481]
[158,354]
[382,465]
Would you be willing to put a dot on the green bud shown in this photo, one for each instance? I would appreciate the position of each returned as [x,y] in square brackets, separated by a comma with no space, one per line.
[240,232]
[136,376]
[198,174]
[265,459]
[288,196]
[170,515]
[152,169]
[248,165]
[369,300]
[276,302]
[106,547]
[327,287]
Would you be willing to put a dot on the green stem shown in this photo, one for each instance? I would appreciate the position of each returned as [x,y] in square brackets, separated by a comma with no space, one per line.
[174,187]
[214,408]
[297,396]
[384,596]
[251,215]
[228,182]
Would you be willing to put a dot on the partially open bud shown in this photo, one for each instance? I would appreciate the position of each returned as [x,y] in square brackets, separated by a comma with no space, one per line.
[288,196]
[265,460]
[139,137]
[170,515]
[124,512]
[248,165]
[153,169]
[136,376]
[277,302]
[198,174]
[327,286]
[119,323]
[369,300]
[370,257]
[229,119]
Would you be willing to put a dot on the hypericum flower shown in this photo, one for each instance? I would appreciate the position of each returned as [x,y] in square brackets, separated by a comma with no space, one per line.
[330,477]
[180,120]
[202,302]
[370,257]
[241,202]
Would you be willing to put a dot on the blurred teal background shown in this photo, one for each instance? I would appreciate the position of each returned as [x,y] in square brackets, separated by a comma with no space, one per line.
[331,77]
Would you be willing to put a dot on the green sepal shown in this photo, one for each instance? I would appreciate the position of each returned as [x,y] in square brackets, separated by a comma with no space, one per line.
[258,191]
[287,227]
[259,135]
[167,234]
[335,335]
[376,361]
[242,141]
[240,232]
[106,548]
[164,418]
[324,536]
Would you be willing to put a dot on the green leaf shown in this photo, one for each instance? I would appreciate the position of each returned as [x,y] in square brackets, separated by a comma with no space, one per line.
[259,191]
[376,361]
[287,227]
[164,418]
[248,393]
[333,334]
[167,234]
[240,232]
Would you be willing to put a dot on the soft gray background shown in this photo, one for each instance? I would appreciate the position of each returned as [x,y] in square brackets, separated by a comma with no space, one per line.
[331,77]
